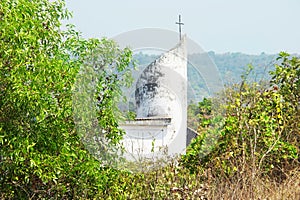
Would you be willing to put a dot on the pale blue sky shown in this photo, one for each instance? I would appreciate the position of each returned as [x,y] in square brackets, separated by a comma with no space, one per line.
[248,26]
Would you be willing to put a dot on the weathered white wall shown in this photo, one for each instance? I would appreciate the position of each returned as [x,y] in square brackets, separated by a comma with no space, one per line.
[161,93]
[145,136]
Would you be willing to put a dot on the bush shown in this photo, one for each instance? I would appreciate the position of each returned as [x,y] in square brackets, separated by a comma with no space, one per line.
[261,127]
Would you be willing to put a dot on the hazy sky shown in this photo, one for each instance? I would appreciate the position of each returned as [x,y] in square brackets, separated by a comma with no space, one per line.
[248,26]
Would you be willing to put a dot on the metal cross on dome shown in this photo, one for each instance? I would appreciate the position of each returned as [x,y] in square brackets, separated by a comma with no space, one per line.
[180,24]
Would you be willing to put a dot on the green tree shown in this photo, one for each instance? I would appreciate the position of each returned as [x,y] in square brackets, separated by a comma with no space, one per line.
[41,155]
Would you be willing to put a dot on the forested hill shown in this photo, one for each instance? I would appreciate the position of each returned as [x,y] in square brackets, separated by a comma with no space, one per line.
[233,65]
[230,65]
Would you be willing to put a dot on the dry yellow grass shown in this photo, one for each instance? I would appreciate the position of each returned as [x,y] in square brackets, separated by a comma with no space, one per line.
[248,187]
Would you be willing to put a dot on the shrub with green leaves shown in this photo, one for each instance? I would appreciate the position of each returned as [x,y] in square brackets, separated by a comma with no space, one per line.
[261,129]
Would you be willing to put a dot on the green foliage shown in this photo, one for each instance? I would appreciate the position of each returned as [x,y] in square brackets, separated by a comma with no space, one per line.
[287,77]
[97,91]
[41,154]
[199,115]
[261,129]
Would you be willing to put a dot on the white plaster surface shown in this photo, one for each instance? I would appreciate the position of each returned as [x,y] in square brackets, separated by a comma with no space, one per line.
[161,106]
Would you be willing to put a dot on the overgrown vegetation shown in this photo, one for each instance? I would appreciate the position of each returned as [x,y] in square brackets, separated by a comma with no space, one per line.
[253,154]
[259,140]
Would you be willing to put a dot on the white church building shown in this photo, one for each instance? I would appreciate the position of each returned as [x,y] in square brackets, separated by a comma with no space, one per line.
[160,127]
